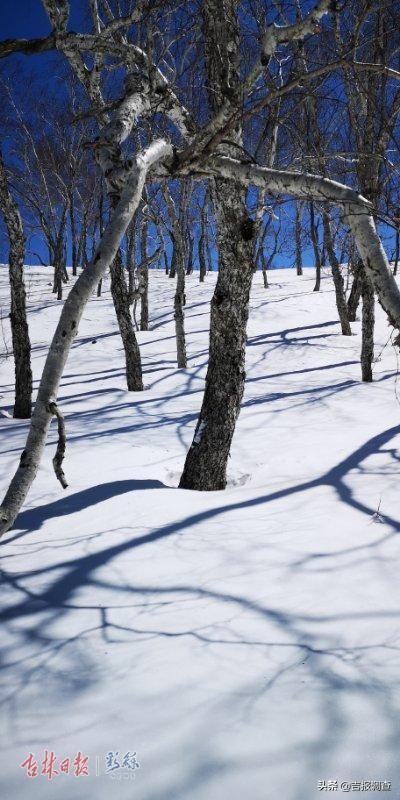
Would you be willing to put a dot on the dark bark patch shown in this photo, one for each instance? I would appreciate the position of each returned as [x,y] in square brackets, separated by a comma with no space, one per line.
[218,298]
[247,229]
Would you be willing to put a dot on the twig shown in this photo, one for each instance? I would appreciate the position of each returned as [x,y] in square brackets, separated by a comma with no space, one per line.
[61,444]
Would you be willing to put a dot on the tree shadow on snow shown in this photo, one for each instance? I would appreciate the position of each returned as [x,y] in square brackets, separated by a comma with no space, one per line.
[33,519]
[288,641]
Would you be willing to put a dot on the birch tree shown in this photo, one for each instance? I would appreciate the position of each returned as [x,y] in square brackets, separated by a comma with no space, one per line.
[178,269]
[211,151]
[373,109]
[206,461]
[19,325]
[337,276]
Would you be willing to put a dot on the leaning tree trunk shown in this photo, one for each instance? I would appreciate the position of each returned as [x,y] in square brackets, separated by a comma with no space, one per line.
[19,325]
[337,276]
[206,461]
[67,329]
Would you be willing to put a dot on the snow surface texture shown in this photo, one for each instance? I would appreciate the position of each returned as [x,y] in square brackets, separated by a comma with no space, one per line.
[245,644]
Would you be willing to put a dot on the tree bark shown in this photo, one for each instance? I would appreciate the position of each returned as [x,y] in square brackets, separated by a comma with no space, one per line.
[202,258]
[19,325]
[119,293]
[59,259]
[74,237]
[315,244]
[368,323]
[189,263]
[178,268]
[356,212]
[264,272]
[67,329]
[206,461]
[337,276]
[397,252]
[172,268]
[202,244]
[179,302]
[144,279]
[355,291]
[297,234]
[101,230]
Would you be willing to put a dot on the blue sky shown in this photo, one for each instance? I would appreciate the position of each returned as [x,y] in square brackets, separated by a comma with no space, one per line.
[27,19]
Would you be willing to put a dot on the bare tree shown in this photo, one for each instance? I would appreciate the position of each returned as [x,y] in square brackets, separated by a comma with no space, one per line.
[211,151]
[298,242]
[373,109]
[178,269]
[337,276]
[206,461]
[203,239]
[19,325]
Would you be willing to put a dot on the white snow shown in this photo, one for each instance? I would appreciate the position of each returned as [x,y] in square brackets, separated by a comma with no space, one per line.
[199,433]
[246,643]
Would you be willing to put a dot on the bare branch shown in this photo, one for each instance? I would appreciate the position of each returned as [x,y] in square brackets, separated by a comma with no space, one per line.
[61,444]
[58,14]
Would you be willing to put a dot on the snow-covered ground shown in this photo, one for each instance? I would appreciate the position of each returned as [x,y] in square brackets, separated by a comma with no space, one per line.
[244,644]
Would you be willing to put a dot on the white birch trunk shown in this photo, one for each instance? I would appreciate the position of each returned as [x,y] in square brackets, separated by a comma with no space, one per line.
[67,330]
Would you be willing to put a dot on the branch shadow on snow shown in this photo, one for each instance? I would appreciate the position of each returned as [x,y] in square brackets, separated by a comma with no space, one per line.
[285,641]
[66,587]
[33,519]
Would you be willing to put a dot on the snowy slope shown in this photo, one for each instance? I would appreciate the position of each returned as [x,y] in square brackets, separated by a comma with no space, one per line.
[245,644]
